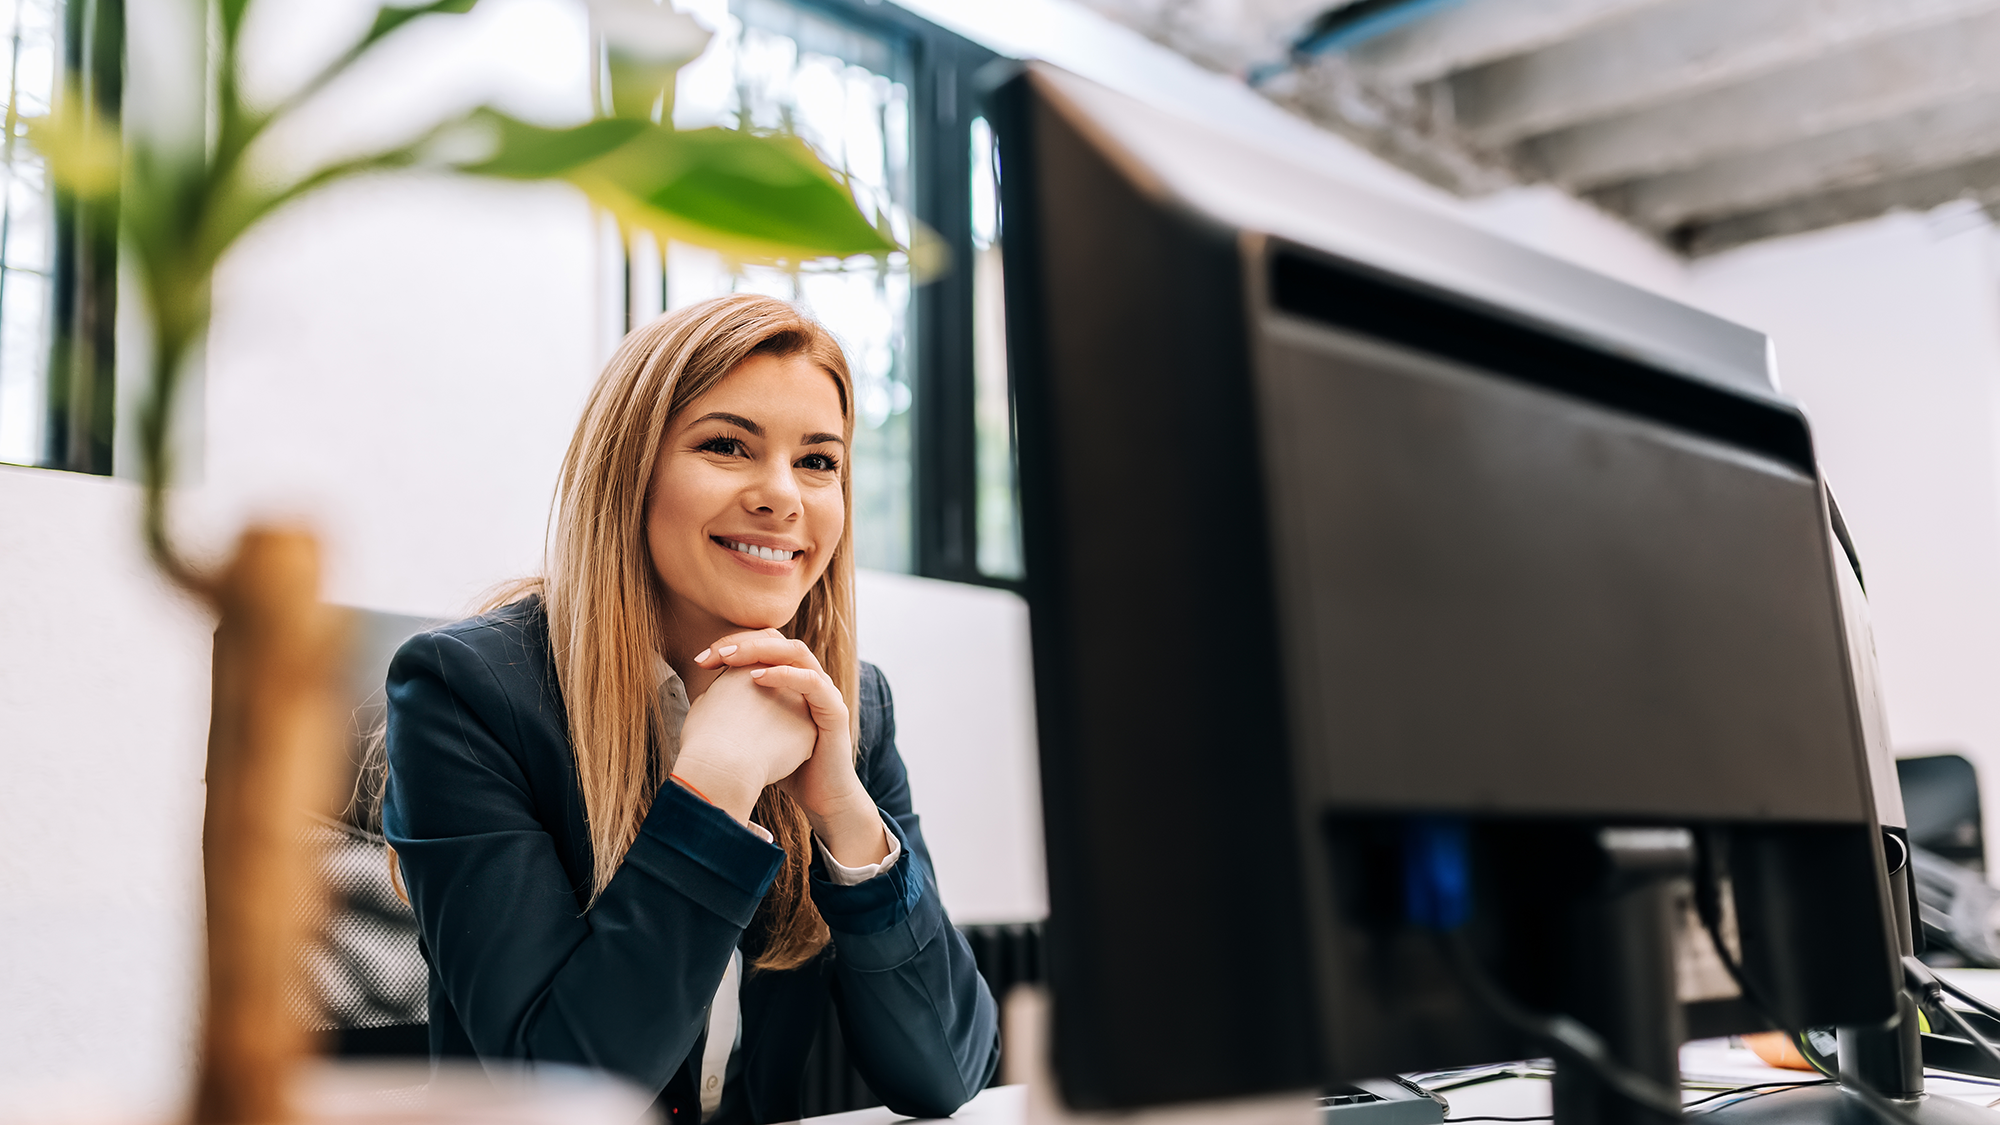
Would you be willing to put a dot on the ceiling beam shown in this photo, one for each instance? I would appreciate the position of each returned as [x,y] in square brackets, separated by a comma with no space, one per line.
[1479,31]
[1939,137]
[1669,52]
[1978,181]
[1869,82]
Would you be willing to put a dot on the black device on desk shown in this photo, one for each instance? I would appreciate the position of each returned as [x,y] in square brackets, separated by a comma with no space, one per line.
[1419,624]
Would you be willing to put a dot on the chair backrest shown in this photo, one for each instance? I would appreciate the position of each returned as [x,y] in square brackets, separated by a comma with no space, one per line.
[364,970]
[1941,800]
[365,978]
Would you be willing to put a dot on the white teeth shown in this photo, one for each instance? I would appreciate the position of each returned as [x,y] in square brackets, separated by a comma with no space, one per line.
[768,554]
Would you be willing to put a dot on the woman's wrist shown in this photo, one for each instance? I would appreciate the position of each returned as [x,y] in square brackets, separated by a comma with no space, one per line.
[851,828]
[717,785]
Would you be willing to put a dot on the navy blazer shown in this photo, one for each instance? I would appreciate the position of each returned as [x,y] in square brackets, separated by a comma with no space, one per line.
[483,810]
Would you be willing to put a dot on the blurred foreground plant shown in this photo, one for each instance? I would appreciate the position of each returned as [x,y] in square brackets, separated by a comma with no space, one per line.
[274,730]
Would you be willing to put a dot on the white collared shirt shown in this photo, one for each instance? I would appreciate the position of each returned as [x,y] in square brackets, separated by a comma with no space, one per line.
[725,1014]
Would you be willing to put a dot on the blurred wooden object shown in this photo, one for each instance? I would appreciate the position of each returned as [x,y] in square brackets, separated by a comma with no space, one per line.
[273,756]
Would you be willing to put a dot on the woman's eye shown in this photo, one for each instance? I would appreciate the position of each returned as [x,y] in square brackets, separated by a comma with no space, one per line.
[723,446]
[818,462]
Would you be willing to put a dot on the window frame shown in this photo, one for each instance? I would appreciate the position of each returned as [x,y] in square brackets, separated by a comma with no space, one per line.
[79,406]
[82,404]
[944,98]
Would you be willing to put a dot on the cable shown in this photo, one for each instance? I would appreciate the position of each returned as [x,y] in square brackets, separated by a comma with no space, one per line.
[1436,1081]
[1769,1086]
[1766,1087]
[1708,906]
[1566,1035]
[1944,1075]
[1971,1001]
[1921,980]
[1460,1075]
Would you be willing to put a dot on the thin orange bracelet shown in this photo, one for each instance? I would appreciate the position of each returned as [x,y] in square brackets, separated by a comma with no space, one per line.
[682,782]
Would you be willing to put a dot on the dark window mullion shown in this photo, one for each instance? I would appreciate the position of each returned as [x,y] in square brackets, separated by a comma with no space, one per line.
[83,293]
[947,465]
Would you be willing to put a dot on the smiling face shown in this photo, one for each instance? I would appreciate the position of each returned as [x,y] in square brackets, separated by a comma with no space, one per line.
[746,505]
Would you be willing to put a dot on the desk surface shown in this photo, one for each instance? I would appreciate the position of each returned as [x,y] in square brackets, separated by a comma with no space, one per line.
[1707,1066]
[1506,1097]
[999,1105]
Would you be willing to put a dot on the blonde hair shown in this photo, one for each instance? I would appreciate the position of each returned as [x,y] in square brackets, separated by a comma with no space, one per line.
[603,596]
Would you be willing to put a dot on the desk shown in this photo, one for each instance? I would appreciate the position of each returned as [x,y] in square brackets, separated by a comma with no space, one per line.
[998,1105]
[1706,1065]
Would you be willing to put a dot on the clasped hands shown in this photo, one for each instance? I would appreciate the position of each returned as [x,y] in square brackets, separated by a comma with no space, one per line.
[774,717]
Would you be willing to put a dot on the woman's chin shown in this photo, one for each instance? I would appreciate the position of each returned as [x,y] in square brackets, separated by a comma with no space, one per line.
[762,615]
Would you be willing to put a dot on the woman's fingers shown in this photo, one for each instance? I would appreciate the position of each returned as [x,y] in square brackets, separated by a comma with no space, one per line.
[717,655]
[763,646]
[829,708]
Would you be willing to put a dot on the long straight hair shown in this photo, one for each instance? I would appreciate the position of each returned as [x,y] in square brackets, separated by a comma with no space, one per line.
[605,602]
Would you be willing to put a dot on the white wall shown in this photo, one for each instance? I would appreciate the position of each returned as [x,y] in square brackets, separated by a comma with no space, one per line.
[398,362]
[401,361]
[1889,333]
[103,725]
[956,658]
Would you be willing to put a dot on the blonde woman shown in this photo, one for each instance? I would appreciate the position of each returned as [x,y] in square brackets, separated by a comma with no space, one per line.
[649,810]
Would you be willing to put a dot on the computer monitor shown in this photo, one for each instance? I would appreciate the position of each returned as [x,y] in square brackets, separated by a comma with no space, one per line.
[1350,530]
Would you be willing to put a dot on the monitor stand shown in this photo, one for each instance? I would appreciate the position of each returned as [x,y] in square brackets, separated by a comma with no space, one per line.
[1622,983]
[1619,975]
[1889,1061]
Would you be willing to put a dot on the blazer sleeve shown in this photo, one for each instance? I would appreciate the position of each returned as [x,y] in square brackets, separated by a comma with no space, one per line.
[624,987]
[919,1021]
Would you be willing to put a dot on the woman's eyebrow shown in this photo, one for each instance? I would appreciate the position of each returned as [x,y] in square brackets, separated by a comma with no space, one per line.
[733,419]
[822,439]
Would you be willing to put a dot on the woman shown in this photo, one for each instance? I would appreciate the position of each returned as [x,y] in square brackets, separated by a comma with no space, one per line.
[650,811]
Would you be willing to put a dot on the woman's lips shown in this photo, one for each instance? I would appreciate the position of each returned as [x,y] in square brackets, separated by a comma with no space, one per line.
[758,558]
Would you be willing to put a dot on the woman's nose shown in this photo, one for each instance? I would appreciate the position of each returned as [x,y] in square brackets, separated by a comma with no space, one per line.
[774,491]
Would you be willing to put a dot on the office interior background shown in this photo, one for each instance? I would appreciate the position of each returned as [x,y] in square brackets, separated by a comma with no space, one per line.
[399,362]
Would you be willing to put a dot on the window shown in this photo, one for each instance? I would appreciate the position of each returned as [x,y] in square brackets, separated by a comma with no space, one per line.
[778,67]
[58,259]
[998,500]
[887,100]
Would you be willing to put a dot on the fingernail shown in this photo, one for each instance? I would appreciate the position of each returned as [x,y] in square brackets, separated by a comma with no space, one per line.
[758,673]
[725,650]
[702,655]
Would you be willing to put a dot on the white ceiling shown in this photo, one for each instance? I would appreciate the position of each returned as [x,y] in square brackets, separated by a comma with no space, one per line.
[1707,123]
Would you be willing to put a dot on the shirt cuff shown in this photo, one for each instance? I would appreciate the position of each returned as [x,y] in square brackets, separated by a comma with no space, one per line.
[841,875]
[762,832]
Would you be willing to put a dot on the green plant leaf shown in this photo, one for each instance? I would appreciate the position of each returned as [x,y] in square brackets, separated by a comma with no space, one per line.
[532,152]
[389,19]
[753,197]
[231,13]
[83,151]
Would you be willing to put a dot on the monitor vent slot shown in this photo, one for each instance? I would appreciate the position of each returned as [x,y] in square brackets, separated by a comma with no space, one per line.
[1373,306]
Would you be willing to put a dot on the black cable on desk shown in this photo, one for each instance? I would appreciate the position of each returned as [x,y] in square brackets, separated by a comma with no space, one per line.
[1931,989]
[1973,1002]
[1768,1087]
